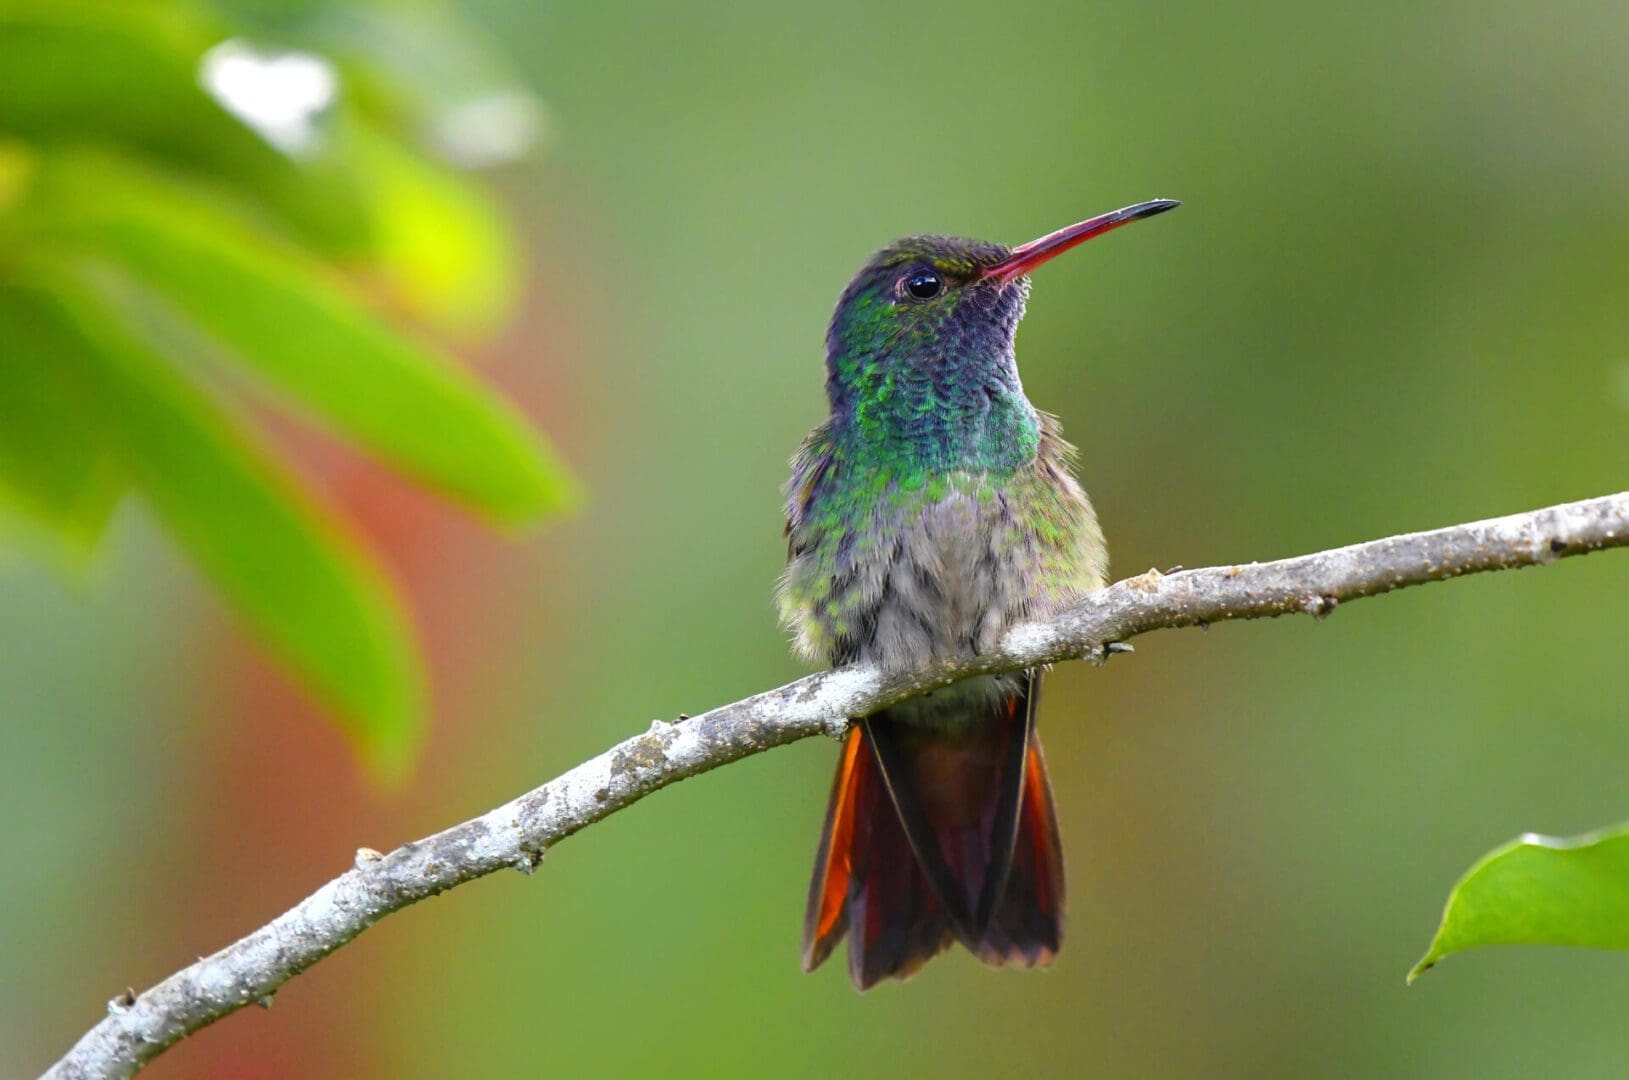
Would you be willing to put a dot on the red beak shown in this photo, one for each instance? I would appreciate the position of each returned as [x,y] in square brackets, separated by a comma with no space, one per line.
[1026,257]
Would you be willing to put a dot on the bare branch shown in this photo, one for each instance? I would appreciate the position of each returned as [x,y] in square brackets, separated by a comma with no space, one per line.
[139,1027]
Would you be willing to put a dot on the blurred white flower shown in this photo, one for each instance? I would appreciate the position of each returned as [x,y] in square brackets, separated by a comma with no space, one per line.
[280,95]
[490,130]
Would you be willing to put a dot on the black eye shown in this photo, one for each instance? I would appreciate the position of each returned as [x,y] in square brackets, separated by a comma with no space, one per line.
[923,284]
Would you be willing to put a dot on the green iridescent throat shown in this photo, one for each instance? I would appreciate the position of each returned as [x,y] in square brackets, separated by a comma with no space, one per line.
[923,392]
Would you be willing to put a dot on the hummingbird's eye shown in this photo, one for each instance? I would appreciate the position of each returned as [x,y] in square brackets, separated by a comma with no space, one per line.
[922,284]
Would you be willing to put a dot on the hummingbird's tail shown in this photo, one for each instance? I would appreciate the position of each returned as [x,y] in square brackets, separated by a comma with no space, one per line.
[936,834]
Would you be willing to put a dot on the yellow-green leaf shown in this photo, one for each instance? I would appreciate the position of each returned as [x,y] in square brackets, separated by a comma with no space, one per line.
[439,243]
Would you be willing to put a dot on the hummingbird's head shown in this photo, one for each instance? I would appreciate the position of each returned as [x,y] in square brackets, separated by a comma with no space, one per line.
[929,321]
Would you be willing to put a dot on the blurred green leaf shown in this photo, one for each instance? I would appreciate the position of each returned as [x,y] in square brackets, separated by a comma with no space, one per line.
[284,562]
[55,462]
[1540,890]
[133,72]
[128,72]
[197,183]
[293,325]
[421,91]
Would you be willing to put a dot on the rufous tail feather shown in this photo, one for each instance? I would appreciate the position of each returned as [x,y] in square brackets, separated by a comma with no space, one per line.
[939,834]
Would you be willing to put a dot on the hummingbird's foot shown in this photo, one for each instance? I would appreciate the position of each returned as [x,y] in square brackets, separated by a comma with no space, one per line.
[1099,654]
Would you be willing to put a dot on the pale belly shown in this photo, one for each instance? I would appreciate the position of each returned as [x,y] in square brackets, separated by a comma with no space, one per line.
[944,578]
[952,581]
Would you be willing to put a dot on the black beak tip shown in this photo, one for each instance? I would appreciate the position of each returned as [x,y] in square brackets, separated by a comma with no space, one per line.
[1157,206]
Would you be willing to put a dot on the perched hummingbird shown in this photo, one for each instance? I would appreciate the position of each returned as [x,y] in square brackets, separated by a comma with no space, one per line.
[933,509]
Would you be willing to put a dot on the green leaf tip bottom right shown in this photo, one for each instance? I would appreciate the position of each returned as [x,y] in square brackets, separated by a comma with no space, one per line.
[1540,890]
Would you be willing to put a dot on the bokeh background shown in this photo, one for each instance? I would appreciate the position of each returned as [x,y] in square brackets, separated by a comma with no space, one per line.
[1394,298]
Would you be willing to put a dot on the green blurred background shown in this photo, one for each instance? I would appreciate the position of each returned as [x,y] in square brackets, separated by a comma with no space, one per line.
[1394,298]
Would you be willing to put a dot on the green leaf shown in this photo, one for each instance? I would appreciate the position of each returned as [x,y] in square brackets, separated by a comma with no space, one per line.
[1540,890]
[290,322]
[127,73]
[288,566]
[56,464]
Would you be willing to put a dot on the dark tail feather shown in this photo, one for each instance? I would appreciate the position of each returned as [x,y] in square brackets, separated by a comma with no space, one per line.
[867,882]
[1027,927]
[932,835]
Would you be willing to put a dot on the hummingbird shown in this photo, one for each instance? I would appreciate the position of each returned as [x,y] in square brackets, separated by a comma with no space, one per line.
[932,510]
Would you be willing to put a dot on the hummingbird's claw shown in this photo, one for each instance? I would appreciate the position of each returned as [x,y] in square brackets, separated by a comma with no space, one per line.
[1099,654]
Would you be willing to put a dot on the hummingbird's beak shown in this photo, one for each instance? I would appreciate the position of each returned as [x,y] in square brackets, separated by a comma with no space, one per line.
[1026,257]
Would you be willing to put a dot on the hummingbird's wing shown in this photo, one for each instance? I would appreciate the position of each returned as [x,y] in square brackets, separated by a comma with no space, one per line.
[809,467]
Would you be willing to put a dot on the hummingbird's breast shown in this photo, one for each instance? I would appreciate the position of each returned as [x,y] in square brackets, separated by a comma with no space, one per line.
[901,573]
[955,574]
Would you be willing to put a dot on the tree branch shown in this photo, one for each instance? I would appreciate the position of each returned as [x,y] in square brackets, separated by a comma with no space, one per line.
[138,1027]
